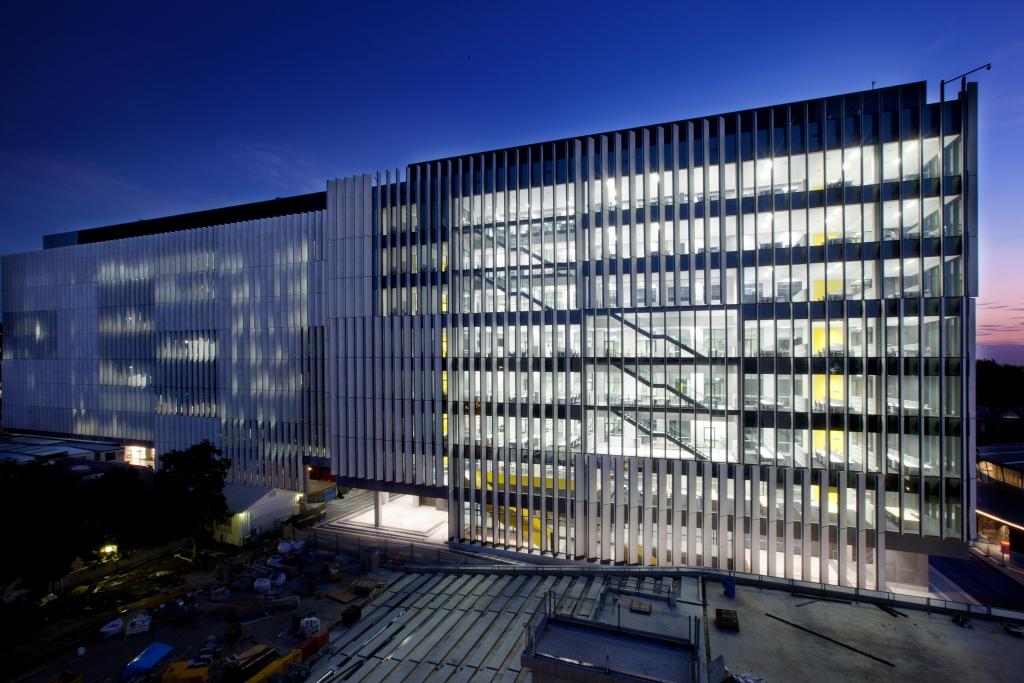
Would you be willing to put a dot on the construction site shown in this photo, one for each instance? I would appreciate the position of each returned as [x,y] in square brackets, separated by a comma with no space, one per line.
[377,596]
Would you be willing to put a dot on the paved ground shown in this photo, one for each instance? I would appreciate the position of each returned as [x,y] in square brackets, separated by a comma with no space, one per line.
[981,581]
[917,647]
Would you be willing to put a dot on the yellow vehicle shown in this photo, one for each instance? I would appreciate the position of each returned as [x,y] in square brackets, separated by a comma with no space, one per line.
[180,672]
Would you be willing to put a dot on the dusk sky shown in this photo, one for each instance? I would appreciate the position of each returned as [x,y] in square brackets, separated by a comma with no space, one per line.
[111,114]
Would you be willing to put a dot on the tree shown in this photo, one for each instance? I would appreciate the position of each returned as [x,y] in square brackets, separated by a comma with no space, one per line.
[189,492]
[43,532]
[116,508]
[998,385]
[1000,403]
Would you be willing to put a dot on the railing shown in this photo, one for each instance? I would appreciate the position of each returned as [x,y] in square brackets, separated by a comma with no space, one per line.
[1013,562]
[503,286]
[500,240]
[576,654]
[650,335]
[394,549]
[647,428]
[642,377]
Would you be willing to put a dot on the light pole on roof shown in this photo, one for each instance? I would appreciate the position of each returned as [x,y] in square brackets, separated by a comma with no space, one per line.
[963,80]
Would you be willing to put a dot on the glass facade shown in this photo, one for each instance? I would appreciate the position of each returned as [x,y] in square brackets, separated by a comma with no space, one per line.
[164,340]
[740,341]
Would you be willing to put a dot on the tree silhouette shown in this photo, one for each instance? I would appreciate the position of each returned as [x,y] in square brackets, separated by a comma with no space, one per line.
[117,508]
[189,492]
[44,530]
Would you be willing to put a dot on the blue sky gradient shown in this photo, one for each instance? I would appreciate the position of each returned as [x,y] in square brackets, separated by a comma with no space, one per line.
[115,113]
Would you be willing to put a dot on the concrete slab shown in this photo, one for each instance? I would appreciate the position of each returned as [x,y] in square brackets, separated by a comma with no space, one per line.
[920,646]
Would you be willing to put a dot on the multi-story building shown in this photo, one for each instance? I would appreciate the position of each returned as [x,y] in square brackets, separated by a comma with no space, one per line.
[159,334]
[741,341]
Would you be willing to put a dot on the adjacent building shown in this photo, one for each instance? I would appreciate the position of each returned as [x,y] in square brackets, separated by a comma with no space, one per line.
[743,340]
[1000,500]
[160,334]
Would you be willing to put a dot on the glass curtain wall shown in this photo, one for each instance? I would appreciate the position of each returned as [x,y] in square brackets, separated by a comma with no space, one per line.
[736,341]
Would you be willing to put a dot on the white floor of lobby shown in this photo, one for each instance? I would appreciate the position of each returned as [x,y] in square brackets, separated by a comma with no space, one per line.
[402,517]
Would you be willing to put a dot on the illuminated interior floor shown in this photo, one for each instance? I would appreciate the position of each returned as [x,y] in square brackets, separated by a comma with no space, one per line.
[402,517]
